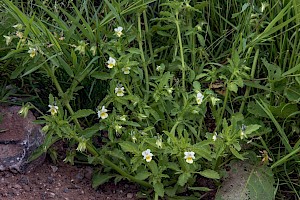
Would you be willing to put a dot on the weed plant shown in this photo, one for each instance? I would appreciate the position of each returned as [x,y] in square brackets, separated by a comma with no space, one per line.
[164,93]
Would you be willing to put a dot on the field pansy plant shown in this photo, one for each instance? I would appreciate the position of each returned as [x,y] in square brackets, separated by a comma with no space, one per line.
[189,157]
[111,62]
[199,98]
[32,52]
[147,155]
[119,90]
[53,109]
[118,31]
[102,113]
[126,70]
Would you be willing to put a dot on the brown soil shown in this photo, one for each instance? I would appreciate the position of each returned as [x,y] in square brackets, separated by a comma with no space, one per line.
[61,181]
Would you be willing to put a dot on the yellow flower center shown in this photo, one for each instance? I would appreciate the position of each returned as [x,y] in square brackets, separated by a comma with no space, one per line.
[148,158]
[189,160]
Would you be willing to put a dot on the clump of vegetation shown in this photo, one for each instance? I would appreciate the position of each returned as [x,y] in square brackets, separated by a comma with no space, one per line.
[163,93]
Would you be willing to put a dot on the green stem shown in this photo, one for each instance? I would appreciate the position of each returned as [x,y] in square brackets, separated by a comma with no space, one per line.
[149,41]
[143,58]
[60,91]
[93,151]
[251,76]
[181,51]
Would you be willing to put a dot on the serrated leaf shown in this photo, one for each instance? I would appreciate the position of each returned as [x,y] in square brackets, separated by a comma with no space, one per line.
[129,147]
[134,51]
[232,87]
[142,175]
[208,173]
[159,189]
[82,113]
[183,178]
[247,182]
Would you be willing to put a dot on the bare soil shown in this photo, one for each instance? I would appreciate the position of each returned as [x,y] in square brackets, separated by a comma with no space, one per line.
[61,181]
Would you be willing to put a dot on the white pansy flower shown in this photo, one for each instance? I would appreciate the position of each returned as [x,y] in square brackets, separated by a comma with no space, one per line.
[53,109]
[118,31]
[147,155]
[199,98]
[111,62]
[32,52]
[102,113]
[8,39]
[126,70]
[242,133]
[119,90]
[189,157]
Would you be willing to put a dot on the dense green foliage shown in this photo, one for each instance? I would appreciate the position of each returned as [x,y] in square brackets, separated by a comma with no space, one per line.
[162,93]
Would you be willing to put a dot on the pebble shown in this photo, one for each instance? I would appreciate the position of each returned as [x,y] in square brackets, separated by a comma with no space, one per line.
[17,186]
[51,195]
[26,188]
[129,195]
[54,168]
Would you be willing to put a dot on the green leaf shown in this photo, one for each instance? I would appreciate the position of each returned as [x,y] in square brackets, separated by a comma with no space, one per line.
[98,179]
[251,128]
[103,75]
[183,178]
[233,87]
[134,51]
[208,173]
[142,175]
[236,153]
[159,189]
[82,113]
[247,182]
[204,189]
[130,147]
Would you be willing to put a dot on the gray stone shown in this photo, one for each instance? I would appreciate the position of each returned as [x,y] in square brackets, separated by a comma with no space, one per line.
[19,138]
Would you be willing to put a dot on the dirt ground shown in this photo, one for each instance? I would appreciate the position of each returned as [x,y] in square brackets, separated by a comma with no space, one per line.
[61,181]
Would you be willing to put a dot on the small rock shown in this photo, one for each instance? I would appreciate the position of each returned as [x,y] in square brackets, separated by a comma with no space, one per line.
[51,195]
[26,188]
[17,186]
[129,195]
[54,168]
[50,179]
[88,173]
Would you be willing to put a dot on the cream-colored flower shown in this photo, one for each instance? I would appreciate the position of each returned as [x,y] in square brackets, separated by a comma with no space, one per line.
[118,31]
[81,47]
[93,50]
[53,109]
[263,6]
[189,157]
[147,155]
[8,39]
[159,142]
[32,52]
[199,98]
[102,113]
[214,137]
[82,144]
[123,118]
[158,68]
[111,62]
[119,90]
[126,70]
[19,34]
